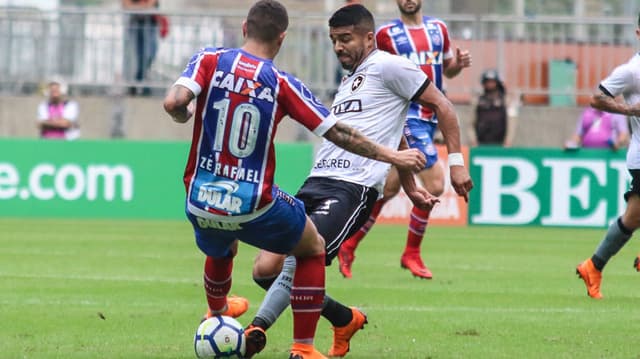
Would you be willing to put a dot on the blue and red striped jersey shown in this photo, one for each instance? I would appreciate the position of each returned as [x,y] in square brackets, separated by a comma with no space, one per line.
[241,99]
[427,45]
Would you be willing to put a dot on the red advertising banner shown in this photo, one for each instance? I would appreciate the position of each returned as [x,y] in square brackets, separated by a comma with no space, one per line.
[451,211]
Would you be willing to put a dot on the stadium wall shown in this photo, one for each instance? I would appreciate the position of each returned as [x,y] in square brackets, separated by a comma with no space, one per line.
[145,119]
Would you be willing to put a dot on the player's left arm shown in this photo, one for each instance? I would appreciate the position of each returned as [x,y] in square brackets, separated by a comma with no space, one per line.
[178,103]
[453,66]
[419,196]
[449,126]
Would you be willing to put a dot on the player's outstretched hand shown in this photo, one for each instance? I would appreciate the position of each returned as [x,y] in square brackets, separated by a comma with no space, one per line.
[422,199]
[461,181]
[410,160]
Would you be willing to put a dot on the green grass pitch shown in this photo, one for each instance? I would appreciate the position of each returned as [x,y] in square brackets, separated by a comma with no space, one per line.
[133,289]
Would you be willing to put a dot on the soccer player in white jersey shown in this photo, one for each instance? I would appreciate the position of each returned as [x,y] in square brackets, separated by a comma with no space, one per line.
[425,41]
[342,188]
[241,98]
[623,81]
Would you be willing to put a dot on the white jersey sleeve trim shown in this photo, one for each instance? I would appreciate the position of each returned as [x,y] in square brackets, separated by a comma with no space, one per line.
[190,84]
[325,125]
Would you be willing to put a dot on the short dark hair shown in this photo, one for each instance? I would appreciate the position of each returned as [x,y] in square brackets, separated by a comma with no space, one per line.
[356,15]
[267,19]
[639,19]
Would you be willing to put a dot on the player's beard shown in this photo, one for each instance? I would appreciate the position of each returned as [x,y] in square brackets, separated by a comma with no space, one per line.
[349,62]
[415,10]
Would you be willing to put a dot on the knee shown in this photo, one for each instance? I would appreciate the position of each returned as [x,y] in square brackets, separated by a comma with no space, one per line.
[390,191]
[266,265]
[319,247]
[435,187]
[630,223]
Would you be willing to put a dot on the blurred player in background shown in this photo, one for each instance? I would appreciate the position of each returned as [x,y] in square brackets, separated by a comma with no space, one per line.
[623,81]
[241,98]
[425,41]
[342,187]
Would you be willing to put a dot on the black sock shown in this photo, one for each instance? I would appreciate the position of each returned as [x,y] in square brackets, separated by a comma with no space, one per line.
[336,313]
[265,283]
[259,322]
[598,262]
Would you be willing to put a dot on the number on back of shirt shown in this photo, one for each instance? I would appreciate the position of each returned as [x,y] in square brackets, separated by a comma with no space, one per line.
[244,128]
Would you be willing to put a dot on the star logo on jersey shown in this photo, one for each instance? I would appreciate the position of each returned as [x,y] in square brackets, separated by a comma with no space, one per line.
[357,83]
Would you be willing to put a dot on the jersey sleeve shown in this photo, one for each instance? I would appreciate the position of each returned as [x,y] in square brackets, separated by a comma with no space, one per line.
[403,77]
[618,81]
[383,40]
[447,52]
[195,74]
[303,106]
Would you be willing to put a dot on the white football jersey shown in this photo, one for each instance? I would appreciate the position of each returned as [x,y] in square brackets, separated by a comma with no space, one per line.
[374,100]
[625,81]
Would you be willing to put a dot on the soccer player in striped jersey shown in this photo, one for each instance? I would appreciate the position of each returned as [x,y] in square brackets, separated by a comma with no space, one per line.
[425,41]
[240,99]
[623,81]
[342,187]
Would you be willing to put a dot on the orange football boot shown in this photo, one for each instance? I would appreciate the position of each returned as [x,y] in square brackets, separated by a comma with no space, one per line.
[305,351]
[591,277]
[342,335]
[414,263]
[236,306]
[345,259]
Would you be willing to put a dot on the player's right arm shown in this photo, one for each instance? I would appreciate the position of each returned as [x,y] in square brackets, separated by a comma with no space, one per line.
[178,103]
[354,141]
[420,197]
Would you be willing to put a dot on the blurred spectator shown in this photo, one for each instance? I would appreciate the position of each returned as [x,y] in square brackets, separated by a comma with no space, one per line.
[58,116]
[495,113]
[141,42]
[598,129]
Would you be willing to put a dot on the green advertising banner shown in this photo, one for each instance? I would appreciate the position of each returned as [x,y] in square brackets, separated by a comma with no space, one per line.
[111,179]
[548,187]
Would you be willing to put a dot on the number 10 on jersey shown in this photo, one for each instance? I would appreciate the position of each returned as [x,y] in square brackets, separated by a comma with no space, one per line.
[243,134]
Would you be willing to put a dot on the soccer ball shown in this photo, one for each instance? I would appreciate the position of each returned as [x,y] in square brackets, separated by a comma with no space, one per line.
[219,337]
